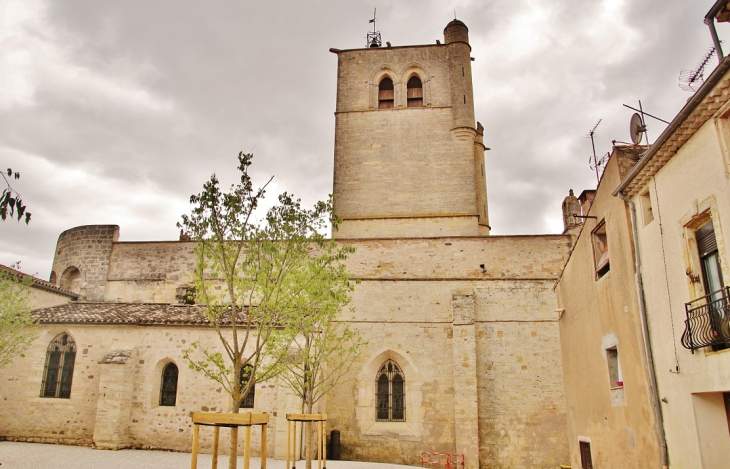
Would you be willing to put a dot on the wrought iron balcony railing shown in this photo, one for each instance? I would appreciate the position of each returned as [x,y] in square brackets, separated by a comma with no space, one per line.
[708,320]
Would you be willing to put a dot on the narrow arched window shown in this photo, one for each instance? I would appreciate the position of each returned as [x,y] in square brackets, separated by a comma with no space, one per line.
[386,94]
[391,399]
[246,371]
[415,92]
[59,369]
[168,387]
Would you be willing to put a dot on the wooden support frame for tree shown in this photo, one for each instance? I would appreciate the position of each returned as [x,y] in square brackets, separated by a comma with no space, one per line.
[291,438]
[217,420]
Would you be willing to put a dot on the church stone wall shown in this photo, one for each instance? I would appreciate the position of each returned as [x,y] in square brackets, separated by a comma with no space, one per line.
[115,404]
[85,249]
[410,165]
[149,271]
[519,374]
[479,347]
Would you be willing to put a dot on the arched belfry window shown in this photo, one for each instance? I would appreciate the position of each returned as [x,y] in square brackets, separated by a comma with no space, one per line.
[59,369]
[168,386]
[245,376]
[415,92]
[391,399]
[386,94]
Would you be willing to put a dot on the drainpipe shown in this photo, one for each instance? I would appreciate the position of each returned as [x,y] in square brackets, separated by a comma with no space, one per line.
[715,40]
[645,330]
[710,21]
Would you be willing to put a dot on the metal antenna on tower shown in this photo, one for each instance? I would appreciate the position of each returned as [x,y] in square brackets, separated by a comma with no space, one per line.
[593,161]
[374,39]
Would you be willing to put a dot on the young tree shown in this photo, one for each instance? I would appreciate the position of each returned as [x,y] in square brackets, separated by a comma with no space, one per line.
[323,353]
[270,274]
[16,323]
[10,201]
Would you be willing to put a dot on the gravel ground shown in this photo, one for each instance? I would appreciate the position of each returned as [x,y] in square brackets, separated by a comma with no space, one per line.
[39,456]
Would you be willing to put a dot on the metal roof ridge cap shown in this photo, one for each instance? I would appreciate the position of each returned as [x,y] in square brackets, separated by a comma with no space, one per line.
[686,110]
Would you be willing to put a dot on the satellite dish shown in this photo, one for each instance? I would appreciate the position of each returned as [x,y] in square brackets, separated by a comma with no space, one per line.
[636,128]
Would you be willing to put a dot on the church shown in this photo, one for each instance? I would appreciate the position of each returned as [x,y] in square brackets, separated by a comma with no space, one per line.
[466,324]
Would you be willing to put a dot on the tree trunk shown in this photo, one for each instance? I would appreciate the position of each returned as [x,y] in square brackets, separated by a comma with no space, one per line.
[309,439]
[233,448]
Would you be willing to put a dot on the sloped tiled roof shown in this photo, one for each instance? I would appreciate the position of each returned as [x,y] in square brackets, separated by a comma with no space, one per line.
[39,283]
[124,313]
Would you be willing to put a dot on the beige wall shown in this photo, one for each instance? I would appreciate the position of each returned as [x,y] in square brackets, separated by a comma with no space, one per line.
[40,298]
[599,314]
[690,189]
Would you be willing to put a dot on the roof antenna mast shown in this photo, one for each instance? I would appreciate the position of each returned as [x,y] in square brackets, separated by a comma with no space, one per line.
[594,163]
[374,39]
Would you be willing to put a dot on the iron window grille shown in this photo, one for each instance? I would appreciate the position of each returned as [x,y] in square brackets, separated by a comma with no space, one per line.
[59,368]
[391,386]
[168,388]
[708,321]
[247,403]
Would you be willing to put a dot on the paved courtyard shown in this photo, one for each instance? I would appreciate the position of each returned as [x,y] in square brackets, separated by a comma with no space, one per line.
[39,456]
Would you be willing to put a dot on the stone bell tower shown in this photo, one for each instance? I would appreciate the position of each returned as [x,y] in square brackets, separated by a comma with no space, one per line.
[409,156]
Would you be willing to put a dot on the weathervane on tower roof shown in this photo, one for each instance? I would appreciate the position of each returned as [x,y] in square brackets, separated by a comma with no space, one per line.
[374,39]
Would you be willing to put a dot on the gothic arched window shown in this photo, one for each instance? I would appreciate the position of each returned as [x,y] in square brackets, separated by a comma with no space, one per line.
[386,94]
[415,92]
[59,369]
[168,387]
[391,398]
[245,376]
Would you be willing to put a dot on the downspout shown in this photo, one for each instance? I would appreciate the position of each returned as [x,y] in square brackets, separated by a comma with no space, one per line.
[710,21]
[715,40]
[645,330]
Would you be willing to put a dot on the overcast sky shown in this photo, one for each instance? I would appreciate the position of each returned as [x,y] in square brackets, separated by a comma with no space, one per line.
[115,112]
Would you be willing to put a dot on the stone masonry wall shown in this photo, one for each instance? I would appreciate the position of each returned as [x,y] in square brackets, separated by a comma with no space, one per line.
[86,248]
[415,163]
[87,415]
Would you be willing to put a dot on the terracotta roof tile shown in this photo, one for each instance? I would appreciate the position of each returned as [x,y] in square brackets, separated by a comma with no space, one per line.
[38,282]
[125,313]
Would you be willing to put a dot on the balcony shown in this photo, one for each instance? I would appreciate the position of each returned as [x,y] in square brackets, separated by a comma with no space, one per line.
[708,321]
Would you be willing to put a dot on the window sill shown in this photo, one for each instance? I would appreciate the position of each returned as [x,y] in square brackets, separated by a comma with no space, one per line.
[391,431]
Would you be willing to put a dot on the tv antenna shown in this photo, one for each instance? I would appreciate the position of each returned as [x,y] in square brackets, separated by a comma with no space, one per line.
[691,80]
[593,160]
[637,125]
[374,39]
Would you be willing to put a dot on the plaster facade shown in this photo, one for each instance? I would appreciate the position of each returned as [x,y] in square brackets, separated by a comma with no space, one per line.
[611,410]
[668,261]
[690,383]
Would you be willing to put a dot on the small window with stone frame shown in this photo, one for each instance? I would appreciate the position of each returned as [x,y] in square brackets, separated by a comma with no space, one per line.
[248,402]
[600,249]
[614,368]
[168,385]
[186,295]
[390,385]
